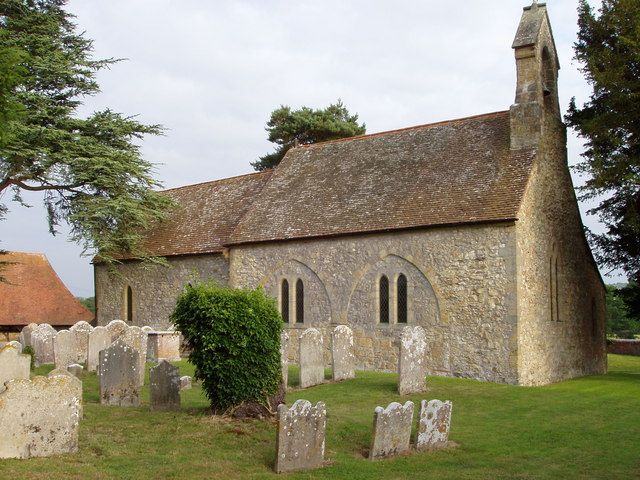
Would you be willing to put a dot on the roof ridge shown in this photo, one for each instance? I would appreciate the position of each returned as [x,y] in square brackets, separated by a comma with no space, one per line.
[219,180]
[398,130]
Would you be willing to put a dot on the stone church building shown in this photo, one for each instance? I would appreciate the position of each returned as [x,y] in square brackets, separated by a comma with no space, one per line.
[468,227]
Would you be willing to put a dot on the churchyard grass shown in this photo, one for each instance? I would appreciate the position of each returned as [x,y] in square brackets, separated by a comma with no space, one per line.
[582,428]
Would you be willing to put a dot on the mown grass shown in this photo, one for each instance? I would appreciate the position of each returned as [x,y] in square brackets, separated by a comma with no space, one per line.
[586,428]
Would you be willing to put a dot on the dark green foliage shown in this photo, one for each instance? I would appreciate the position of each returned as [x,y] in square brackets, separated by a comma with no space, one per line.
[235,340]
[89,303]
[89,169]
[608,48]
[287,127]
[28,350]
[621,322]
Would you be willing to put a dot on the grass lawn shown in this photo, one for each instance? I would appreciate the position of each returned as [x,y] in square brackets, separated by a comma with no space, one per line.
[586,428]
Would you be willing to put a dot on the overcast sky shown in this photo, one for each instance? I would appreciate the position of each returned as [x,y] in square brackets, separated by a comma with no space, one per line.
[211,73]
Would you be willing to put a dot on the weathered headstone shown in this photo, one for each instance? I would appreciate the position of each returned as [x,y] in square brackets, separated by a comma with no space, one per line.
[163,346]
[25,334]
[391,430]
[412,365]
[116,328]
[185,382]
[311,357]
[65,348]
[164,386]
[15,344]
[342,357]
[42,342]
[40,417]
[136,338]
[99,339]
[301,436]
[82,330]
[119,377]
[434,423]
[13,365]
[284,357]
[75,369]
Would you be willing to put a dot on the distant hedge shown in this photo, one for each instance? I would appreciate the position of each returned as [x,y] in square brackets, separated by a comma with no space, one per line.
[234,337]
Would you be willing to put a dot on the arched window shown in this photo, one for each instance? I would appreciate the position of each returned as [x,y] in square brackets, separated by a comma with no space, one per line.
[401,288]
[299,301]
[383,300]
[284,300]
[128,303]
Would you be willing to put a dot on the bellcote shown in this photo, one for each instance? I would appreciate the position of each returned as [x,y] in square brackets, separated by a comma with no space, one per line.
[537,68]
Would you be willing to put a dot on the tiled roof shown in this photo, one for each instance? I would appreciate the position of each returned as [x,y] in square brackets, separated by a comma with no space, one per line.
[206,216]
[34,293]
[459,171]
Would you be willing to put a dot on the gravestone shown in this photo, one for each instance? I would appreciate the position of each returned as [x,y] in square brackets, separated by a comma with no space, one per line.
[311,358]
[136,338]
[65,348]
[42,342]
[301,436]
[17,345]
[40,417]
[75,369]
[342,357]
[116,328]
[13,365]
[164,386]
[412,365]
[119,377]
[25,334]
[82,330]
[99,339]
[284,357]
[391,430]
[185,382]
[434,423]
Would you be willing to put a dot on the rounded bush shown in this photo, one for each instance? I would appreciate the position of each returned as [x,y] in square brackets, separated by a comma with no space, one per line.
[234,336]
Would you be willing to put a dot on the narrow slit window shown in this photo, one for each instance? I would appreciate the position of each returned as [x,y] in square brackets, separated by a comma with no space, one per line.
[384,299]
[299,301]
[284,300]
[129,304]
[402,298]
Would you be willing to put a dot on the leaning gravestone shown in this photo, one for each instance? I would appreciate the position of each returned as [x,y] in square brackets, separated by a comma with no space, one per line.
[412,369]
[13,365]
[116,328]
[164,386]
[391,430]
[342,357]
[25,334]
[40,417]
[99,339]
[42,342]
[433,424]
[119,377]
[301,436]
[65,348]
[82,330]
[136,338]
[284,357]
[311,358]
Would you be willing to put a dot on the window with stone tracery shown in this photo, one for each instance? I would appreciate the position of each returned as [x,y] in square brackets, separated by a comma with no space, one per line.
[299,301]
[383,299]
[284,300]
[401,298]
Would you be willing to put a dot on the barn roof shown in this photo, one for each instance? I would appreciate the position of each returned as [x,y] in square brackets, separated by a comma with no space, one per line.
[453,172]
[34,293]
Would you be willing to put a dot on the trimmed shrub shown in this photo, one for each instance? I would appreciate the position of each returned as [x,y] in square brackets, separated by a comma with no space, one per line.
[234,336]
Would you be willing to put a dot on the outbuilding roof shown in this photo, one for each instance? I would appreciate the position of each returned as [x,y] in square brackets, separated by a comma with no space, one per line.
[453,172]
[33,293]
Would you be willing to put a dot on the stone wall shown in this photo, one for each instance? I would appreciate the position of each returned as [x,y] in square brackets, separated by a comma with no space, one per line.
[622,346]
[154,288]
[461,288]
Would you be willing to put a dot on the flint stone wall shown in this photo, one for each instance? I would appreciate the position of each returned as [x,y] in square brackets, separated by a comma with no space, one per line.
[40,417]
[155,289]
[300,441]
[461,289]
[434,424]
[391,430]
